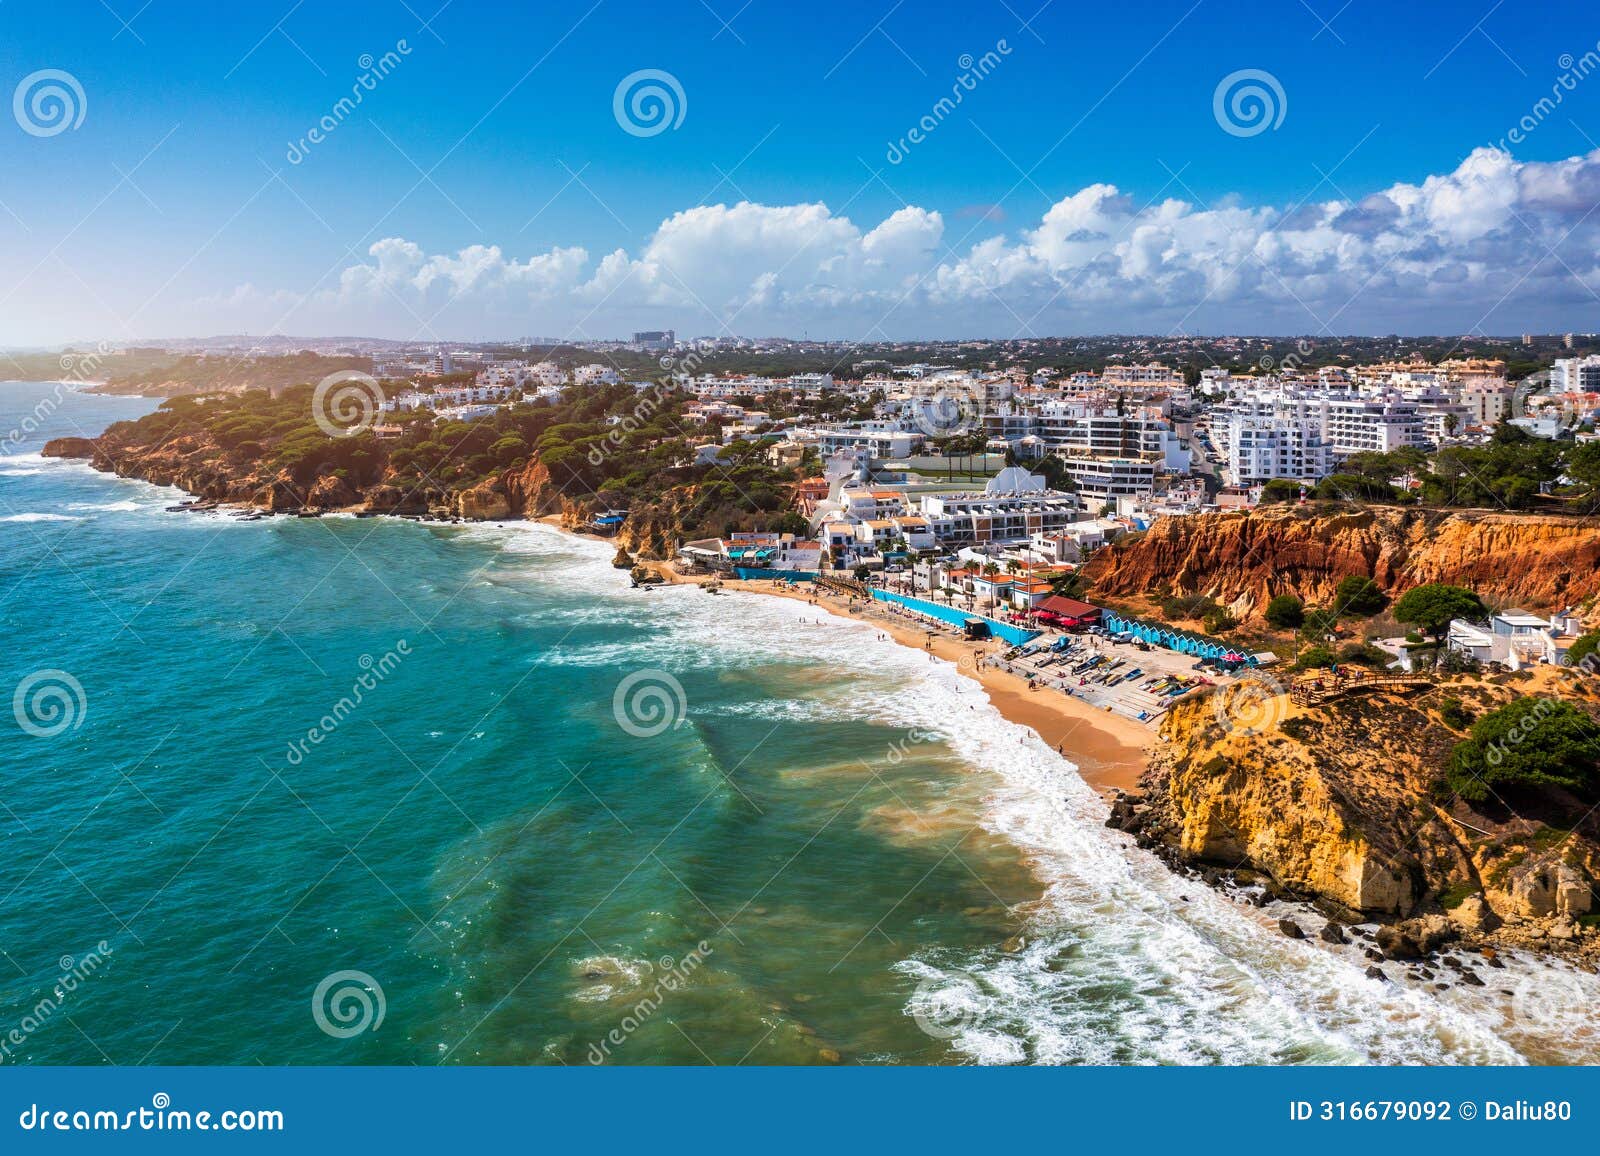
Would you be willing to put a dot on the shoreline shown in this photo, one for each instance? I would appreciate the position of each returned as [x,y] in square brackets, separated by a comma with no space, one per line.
[1109,750]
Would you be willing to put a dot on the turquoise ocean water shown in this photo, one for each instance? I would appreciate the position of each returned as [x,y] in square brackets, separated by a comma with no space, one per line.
[371,791]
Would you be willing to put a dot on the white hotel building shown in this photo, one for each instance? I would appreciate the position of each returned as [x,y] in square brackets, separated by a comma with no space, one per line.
[1307,433]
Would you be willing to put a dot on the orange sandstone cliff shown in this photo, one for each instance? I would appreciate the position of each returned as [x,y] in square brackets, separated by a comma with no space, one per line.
[1243,560]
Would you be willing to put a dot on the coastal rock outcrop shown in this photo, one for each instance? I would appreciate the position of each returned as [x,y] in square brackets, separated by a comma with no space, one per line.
[68,448]
[1243,560]
[1330,807]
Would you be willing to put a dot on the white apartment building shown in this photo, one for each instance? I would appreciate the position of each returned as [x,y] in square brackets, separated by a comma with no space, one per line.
[1262,448]
[595,375]
[1153,373]
[1576,374]
[1105,479]
[1347,423]
[1074,429]
[1014,507]
[880,439]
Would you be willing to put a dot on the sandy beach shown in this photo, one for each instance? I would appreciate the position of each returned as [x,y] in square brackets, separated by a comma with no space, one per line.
[1109,750]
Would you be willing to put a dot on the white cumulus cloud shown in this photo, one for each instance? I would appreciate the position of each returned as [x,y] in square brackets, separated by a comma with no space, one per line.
[1496,242]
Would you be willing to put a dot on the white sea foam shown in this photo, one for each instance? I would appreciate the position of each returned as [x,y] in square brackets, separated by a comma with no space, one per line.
[122,507]
[1123,961]
[37,516]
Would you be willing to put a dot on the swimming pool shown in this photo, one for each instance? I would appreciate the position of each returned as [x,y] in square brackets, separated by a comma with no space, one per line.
[1015,635]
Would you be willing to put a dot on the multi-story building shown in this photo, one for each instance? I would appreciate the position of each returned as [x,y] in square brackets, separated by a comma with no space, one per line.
[1576,374]
[1488,401]
[1014,507]
[1262,448]
[880,439]
[1341,420]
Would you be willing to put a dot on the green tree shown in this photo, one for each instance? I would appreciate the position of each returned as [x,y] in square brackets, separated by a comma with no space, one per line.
[1583,646]
[1528,745]
[791,522]
[1280,490]
[1286,612]
[1434,605]
[1359,595]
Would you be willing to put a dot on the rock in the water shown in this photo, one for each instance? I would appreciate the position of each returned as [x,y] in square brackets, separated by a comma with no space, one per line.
[1376,972]
[1333,933]
[1127,814]
[1396,944]
[1290,928]
[1473,914]
[1415,938]
[68,448]
[1470,977]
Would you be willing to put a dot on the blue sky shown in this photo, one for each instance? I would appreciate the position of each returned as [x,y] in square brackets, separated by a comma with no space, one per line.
[507,199]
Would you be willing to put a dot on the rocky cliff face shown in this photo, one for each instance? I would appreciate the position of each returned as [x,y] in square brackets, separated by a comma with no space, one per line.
[200,467]
[1245,559]
[1337,803]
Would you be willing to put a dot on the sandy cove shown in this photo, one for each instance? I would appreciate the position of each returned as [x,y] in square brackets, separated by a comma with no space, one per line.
[1109,750]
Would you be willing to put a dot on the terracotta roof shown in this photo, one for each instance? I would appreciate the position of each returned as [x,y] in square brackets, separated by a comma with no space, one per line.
[1069,607]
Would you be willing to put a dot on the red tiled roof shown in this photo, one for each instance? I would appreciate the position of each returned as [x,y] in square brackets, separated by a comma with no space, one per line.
[1068,607]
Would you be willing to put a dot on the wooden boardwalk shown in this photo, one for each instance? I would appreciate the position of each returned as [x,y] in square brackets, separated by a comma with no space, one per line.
[1320,688]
